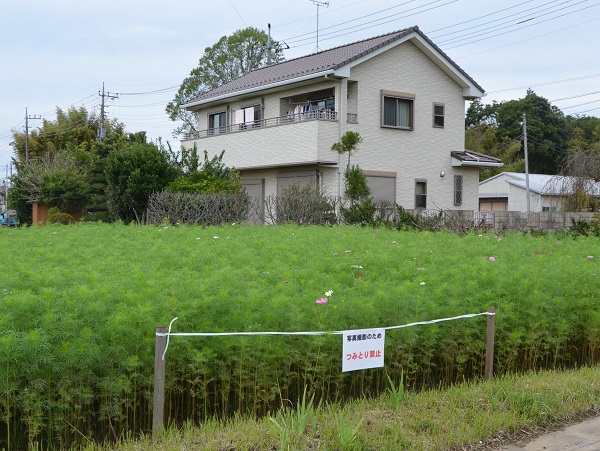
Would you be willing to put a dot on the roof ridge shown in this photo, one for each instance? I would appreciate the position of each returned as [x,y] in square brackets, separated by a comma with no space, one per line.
[324,61]
[404,30]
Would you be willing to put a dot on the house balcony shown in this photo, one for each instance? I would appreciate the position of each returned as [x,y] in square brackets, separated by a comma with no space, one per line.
[296,139]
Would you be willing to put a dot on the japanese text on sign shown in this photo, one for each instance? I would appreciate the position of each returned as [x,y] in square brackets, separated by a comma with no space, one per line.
[363,349]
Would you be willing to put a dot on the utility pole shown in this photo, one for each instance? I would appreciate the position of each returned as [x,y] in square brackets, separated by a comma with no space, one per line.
[6,187]
[27,117]
[319,4]
[101,130]
[526,164]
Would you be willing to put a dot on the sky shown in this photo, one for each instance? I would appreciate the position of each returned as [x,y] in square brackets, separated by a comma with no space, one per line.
[59,54]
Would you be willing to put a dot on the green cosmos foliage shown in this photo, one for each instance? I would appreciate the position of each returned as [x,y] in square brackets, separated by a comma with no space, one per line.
[80,305]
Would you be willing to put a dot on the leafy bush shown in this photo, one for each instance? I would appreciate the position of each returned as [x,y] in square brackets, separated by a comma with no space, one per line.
[55,216]
[579,227]
[18,200]
[61,218]
[356,187]
[66,189]
[357,191]
[133,172]
[204,182]
[360,212]
[406,220]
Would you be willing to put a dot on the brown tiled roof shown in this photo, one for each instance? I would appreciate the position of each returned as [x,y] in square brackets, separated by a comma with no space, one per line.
[476,157]
[325,60]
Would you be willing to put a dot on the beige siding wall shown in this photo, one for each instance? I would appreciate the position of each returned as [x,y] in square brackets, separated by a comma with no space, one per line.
[424,151]
[329,178]
[301,143]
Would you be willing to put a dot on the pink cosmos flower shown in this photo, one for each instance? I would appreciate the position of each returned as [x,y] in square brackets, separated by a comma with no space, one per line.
[590,256]
[321,301]
[492,259]
[348,251]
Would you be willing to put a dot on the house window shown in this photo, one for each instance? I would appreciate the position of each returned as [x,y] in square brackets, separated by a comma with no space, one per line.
[397,110]
[252,116]
[548,209]
[458,189]
[217,123]
[438,115]
[421,194]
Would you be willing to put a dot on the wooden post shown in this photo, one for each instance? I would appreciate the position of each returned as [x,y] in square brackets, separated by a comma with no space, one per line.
[158,411]
[489,343]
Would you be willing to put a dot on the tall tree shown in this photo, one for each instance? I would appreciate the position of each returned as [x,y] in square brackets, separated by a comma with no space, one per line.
[230,58]
[74,130]
[547,132]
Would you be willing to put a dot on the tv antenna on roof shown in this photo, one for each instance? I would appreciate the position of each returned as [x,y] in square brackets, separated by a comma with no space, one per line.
[319,4]
[271,46]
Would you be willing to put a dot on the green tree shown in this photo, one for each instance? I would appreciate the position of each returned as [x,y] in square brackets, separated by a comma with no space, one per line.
[57,180]
[228,59]
[589,125]
[134,170]
[357,191]
[547,133]
[66,189]
[18,200]
[73,131]
[213,176]
[347,144]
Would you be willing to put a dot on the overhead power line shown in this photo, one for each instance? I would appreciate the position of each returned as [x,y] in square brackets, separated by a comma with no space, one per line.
[367,25]
[576,96]
[548,83]
[514,19]
[519,28]
[157,91]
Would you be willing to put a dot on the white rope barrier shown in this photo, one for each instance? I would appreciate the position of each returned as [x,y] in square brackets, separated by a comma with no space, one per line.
[168,334]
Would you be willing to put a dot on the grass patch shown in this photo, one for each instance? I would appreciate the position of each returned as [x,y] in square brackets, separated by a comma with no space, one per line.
[473,415]
[80,304]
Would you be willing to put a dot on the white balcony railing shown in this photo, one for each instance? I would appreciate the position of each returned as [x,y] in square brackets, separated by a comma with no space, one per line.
[288,119]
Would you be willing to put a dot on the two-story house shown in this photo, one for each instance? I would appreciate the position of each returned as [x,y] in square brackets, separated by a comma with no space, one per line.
[403,95]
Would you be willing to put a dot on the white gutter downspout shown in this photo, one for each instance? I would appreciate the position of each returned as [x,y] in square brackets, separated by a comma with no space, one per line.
[343,115]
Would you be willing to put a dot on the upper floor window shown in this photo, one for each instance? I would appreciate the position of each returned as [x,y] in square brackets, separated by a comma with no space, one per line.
[438,115]
[249,116]
[397,110]
[217,122]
